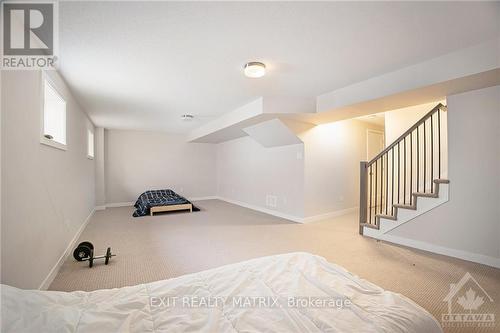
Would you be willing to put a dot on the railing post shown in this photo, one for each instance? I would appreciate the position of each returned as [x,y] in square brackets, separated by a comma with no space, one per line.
[363,185]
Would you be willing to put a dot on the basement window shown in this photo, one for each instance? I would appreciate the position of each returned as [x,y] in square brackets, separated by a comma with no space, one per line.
[90,144]
[54,117]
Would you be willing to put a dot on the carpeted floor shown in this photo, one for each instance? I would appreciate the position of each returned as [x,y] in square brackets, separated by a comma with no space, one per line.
[173,244]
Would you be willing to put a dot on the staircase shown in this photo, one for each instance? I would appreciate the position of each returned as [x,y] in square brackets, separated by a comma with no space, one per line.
[406,179]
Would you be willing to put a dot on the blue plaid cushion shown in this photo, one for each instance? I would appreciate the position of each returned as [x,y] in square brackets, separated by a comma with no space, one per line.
[153,198]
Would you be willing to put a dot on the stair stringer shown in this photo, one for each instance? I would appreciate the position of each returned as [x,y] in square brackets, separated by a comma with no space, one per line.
[422,203]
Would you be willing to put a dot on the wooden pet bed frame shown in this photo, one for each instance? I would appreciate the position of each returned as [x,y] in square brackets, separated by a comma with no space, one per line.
[158,209]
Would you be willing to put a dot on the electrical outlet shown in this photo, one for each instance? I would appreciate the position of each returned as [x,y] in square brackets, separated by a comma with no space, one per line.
[272,201]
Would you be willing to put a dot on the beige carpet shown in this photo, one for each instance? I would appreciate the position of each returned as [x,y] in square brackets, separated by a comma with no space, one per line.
[169,245]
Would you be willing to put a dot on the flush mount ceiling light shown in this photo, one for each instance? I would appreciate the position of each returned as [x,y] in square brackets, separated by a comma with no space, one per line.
[255,69]
[187,117]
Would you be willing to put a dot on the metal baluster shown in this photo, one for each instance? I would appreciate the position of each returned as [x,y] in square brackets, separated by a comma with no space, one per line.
[386,182]
[404,171]
[425,163]
[439,143]
[370,209]
[411,167]
[418,159]
[432,155]
[399,171]
[381,183]
[376,173]
[392,180]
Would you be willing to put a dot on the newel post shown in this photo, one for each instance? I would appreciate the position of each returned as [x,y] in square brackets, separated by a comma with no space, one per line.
[363,185]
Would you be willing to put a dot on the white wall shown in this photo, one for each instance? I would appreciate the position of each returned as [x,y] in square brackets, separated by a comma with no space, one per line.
[49,192]
[400,120]
[100,159]
[247,172]
[470,221]
[332,155]
[137,161]
[317,177]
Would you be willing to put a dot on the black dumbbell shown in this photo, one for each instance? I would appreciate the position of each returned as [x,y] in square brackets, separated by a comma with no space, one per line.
[106,257]
[85,252]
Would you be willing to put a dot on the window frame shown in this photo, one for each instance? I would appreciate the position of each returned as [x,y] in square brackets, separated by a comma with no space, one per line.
[43,140]
[90,131]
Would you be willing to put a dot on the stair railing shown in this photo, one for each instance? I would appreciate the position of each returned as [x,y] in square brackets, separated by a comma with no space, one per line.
[408,165]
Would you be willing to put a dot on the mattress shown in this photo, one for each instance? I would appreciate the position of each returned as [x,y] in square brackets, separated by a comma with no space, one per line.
[295,292]
[154,198]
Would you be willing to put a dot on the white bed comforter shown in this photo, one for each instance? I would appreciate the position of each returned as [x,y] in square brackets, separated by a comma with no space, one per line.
[283,293]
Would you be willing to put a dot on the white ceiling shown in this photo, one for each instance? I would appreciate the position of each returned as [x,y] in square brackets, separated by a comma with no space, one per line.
[376,119]
[141,65]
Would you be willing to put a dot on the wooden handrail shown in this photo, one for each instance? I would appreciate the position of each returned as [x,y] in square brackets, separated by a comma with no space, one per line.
[411,129]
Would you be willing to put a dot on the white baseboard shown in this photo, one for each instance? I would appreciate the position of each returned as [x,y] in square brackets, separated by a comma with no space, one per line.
[100,207]
[119,204]
[69,249]
[293,218]
[263,210]
[469,256]
[212,197]
[330,215]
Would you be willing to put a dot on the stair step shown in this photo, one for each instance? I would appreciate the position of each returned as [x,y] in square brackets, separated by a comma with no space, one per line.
[383,216]
[425,195]
[369,225]
[404,206]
